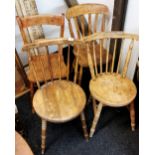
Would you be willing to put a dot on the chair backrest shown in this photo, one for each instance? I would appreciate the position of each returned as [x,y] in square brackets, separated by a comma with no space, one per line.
[30,21]
[105,39]
[44,63]
[79,15]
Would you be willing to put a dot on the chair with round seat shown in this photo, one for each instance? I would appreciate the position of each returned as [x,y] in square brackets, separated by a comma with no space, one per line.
[110,85]
[57,100]
[54,21]
[97,17]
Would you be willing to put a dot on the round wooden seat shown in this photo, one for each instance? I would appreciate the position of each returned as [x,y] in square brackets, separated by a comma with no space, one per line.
[113,90]
[59,101]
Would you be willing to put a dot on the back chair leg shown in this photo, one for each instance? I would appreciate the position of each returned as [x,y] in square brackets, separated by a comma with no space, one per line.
[132,116]
[96,118]
[94,105]
[80,75]
[84,125]
[43,135]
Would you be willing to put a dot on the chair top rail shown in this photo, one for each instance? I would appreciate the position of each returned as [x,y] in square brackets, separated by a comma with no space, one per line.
[28,21]
[86,9]
[112,35]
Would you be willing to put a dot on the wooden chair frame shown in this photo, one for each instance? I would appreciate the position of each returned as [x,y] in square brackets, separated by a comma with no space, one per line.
[113,72]
[30,21]
[42,91]
[78,14]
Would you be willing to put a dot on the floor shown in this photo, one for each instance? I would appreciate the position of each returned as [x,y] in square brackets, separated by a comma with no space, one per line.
[113,135]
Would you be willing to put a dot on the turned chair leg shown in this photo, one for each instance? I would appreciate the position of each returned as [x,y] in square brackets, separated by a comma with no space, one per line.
[94,105]
[132,116]
[43,135]
[80,75]
[96,118]
[84,125]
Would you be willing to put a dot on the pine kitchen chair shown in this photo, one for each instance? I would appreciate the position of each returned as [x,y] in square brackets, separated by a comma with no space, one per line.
[36,20]
[110,85]
[97,17]
[58,100]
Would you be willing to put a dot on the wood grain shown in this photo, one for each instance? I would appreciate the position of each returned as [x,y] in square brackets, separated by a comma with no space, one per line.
[113,90]
[59,101]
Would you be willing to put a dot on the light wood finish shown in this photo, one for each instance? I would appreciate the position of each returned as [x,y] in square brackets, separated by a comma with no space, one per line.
[81,11]
[57,100]
[83,61]
[81,14]
[29,8]
[132,116]
[21,146]
[84,125]
[95,120]
[113,90]
[54,63]
[111,87]
[94,105]
[27,22]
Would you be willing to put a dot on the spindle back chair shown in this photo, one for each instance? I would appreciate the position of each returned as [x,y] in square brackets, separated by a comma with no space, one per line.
[58,100]
[97,17]
[82,13]
[31,21]
[110,85]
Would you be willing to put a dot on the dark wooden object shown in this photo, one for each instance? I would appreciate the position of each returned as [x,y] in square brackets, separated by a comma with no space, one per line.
[22,83]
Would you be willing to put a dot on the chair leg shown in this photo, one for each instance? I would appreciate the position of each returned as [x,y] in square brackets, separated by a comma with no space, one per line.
[96,118]
[84,125]
[132,115]
[94,105]
[43,135]
[80,75]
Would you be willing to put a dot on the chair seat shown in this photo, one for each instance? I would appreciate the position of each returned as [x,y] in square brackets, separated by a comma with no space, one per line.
[83,61]
[113,90]
[59,101]
[54,58]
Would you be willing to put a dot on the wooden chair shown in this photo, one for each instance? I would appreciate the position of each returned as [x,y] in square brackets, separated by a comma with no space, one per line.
[31,21]
[110,86]
[58,100]
[97,16]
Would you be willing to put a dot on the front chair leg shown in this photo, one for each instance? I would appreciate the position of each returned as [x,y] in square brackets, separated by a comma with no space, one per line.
[84,125]
[96,118]
[132,115]
[80,75]
[43,135]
